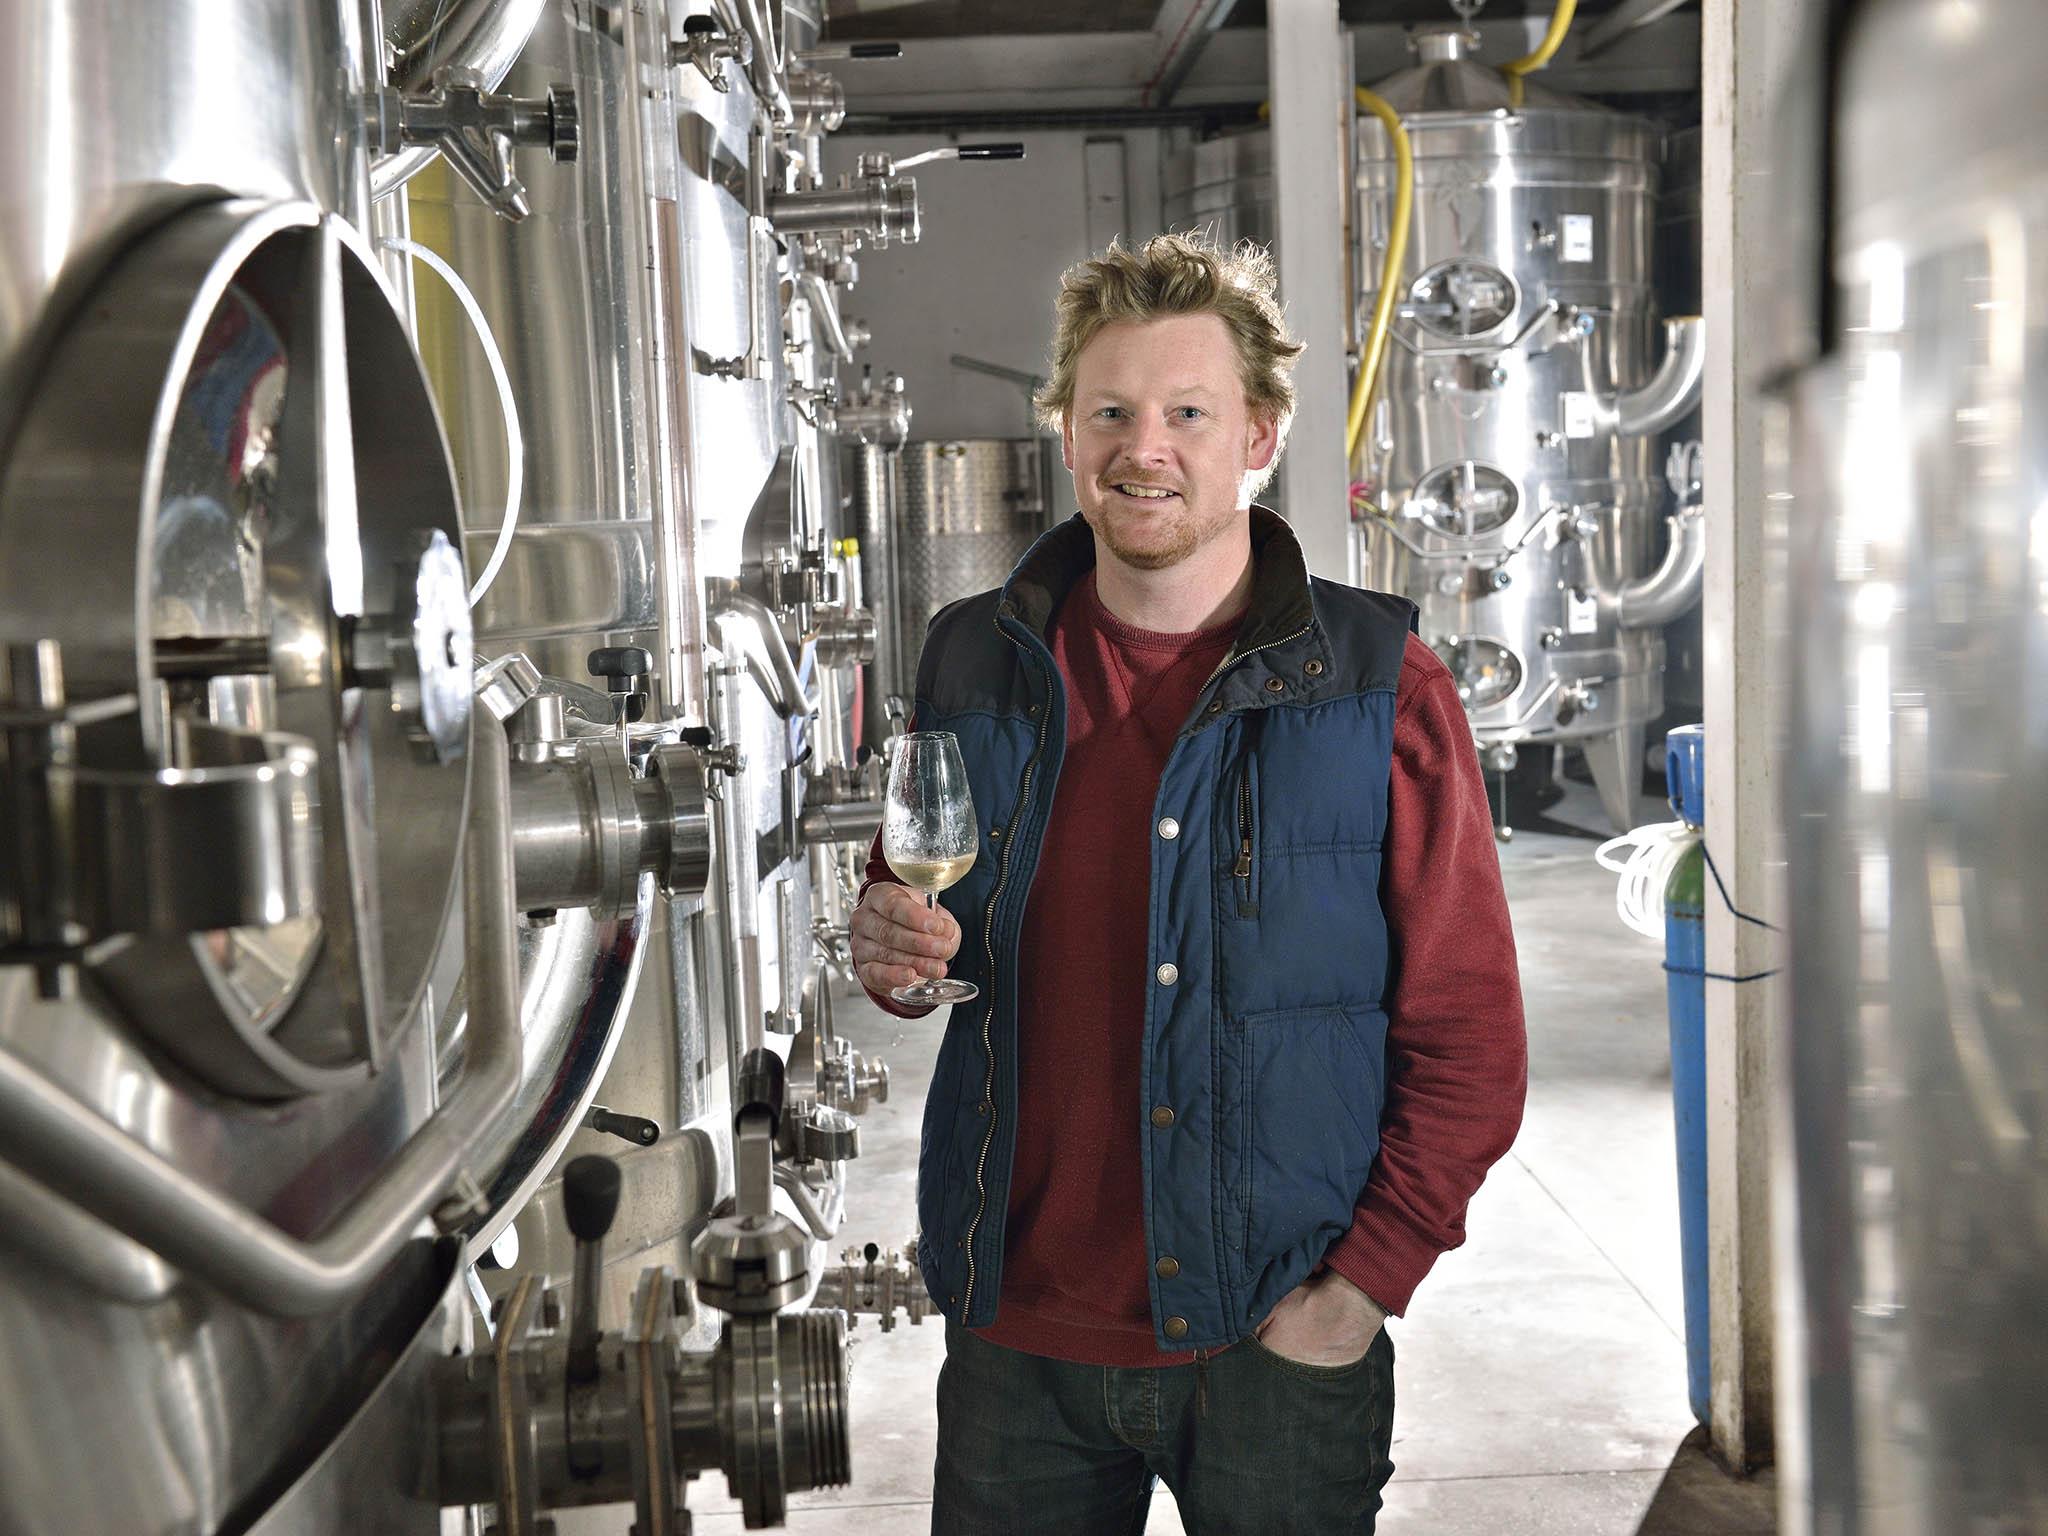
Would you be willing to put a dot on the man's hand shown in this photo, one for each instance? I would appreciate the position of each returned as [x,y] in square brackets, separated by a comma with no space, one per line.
[1326,1320]
[897,939]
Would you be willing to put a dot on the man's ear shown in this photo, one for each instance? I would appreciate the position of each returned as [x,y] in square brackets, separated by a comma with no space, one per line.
[1067,437]
[1262,439]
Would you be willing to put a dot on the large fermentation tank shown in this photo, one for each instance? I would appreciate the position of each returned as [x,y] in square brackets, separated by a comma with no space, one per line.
[1916,776]
[1511,473]
[941,521]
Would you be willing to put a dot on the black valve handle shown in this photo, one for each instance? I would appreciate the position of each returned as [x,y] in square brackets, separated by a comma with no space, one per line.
[590,1197]
[699,26]
[624,669]
[621,661]
[991,151]
[875,51]
[640,1131]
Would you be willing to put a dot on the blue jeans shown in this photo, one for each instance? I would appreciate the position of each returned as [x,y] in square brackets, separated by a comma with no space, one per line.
[1250,1443]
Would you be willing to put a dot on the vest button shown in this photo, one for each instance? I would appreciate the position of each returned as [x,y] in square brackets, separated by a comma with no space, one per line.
[1169,828]
[1167,1267]
[1162,1117]
[1274,685]
[1313,667]
[1215,706]
[1168,974]
[1176,1327]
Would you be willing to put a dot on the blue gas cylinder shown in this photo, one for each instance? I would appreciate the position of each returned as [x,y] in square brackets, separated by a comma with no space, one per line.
[1685,986]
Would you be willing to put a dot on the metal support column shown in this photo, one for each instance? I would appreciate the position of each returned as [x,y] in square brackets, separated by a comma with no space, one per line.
[1310,91]
[1745,46]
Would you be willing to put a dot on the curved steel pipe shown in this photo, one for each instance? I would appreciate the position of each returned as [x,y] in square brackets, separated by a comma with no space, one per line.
[784,688]
[825,310]
[72,1149]
[1674,586]
[1674,388]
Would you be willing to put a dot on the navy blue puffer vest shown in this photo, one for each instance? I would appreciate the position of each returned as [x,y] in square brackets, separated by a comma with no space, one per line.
[1264,1043]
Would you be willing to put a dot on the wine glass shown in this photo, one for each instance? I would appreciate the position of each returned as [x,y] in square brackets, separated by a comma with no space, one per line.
[929,838]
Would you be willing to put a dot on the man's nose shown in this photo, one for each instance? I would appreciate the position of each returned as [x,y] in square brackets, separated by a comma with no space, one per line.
[1148,445]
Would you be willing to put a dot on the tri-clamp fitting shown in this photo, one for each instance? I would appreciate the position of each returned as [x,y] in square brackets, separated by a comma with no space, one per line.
[477,130]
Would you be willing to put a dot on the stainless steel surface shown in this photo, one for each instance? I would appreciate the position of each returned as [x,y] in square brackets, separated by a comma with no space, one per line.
[50,1134]
[1618,23]
[222,404]
[228,837]
[377,1473]
[1511,452]
[1917,793]
[426,37]
[958,516]
[239,425]
[117,117]
[854,821]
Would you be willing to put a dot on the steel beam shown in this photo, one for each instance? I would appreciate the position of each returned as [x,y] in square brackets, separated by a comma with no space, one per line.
[1311,127]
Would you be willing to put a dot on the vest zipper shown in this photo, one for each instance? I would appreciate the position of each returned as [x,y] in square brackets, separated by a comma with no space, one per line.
[988,940]
[1243,870]
[1236,656]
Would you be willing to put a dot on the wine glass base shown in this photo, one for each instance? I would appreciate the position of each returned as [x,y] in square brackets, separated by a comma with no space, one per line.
[936,994]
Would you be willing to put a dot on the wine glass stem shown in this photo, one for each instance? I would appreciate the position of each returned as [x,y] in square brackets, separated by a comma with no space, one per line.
[931,901]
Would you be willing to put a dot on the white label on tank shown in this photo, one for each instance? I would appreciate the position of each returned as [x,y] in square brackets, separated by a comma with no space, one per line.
[1581,615]
[1578,237]
[1578,413]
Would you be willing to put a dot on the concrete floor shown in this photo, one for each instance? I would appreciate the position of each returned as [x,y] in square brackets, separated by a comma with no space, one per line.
[1541,1374]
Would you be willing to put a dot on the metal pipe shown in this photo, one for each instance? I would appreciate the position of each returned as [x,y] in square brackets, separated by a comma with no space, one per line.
[851,821]
[49,1134]
[1674,388]
[784,689]
[825,310]
[1674,586]
[481,35]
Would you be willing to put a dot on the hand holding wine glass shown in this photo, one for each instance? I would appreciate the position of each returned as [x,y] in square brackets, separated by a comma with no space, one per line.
[929,837]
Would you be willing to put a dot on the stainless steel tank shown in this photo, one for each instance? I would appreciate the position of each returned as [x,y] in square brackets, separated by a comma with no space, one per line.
[940,521]
[1916,780]
[1511,469]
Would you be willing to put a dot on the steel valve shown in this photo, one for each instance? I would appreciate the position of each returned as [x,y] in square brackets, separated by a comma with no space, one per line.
[561,1413]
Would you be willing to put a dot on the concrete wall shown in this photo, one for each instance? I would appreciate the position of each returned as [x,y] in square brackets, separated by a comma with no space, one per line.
[981,281]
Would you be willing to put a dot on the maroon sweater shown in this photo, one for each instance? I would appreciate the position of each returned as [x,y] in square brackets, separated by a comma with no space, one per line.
[1074,1269]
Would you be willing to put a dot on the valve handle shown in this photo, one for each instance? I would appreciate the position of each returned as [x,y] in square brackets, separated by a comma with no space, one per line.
[637,1129]
[590,1197]
[876,51]
[991,151]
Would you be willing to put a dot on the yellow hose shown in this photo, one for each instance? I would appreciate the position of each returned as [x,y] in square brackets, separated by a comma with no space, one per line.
[1390,272]
[1529,63]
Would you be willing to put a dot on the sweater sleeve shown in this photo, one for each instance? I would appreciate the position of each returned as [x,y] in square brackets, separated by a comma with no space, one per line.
[1457,1054]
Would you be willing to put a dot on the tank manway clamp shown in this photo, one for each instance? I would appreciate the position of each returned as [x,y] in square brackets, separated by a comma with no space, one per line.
[548,1416]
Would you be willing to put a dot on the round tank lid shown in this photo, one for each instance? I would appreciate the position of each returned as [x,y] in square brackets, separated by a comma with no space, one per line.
[1444,43]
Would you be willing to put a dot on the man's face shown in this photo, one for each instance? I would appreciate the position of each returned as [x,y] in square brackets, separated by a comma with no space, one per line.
[1159,437]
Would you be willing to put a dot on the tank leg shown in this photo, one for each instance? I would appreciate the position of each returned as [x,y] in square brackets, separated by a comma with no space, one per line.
[1617,763]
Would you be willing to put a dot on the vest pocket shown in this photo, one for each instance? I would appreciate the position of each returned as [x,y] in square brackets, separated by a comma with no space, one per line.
[1299,1093]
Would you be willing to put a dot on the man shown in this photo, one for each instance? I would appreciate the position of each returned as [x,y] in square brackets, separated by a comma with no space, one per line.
[1250,1031]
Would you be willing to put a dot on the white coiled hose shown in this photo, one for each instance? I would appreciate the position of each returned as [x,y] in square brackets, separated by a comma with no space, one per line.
[515,444]
[1645,870]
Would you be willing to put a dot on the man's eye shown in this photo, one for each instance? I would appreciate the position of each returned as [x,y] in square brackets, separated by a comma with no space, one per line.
[1110,412]
[1188,412]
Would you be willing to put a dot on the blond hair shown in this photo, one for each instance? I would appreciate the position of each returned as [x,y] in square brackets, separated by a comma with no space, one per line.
[1177,275]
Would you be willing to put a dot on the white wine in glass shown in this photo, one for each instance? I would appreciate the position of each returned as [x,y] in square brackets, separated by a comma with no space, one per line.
[929,837]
